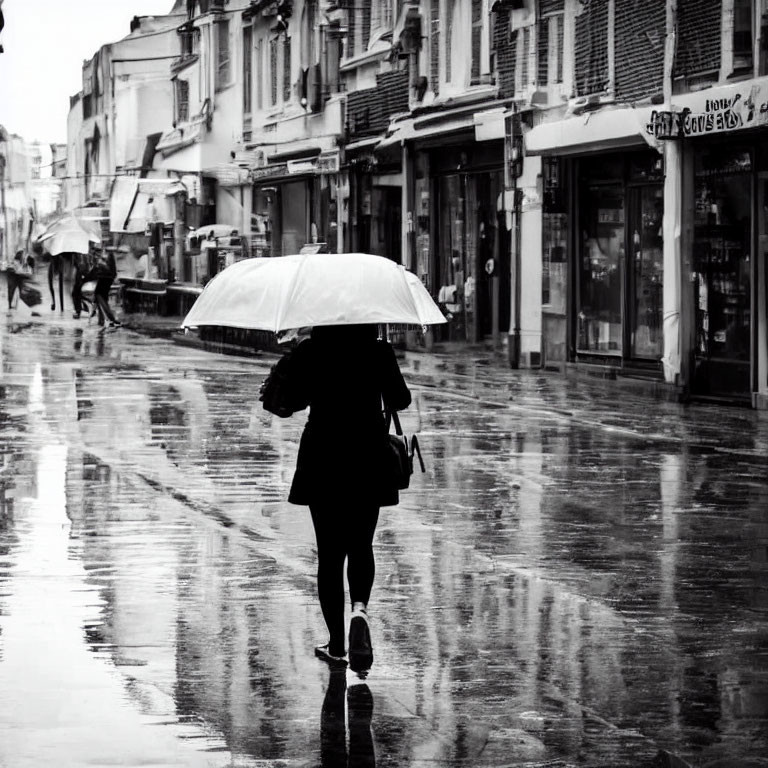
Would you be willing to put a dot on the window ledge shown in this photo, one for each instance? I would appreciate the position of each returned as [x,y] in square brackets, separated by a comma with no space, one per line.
[379,50]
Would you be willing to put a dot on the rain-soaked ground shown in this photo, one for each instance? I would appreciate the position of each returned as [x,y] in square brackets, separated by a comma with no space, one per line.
[578,580]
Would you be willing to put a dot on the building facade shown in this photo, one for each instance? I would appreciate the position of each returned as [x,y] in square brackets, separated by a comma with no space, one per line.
[649,173]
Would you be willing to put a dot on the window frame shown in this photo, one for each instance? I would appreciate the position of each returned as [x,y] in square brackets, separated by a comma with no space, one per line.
[223,64]
[179,86]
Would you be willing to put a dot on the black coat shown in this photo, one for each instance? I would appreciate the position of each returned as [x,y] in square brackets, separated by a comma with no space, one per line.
[342,456]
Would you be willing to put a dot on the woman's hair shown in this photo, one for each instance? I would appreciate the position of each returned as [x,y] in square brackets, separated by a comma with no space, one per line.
[345,334]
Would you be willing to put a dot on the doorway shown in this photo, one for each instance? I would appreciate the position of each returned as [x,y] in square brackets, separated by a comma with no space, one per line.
[721,273]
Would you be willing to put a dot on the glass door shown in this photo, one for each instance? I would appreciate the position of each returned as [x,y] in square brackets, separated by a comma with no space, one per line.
[721,262]
[601,269]
[646,275]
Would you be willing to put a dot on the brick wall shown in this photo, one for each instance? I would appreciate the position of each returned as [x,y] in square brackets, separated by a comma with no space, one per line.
[639,50]
[591,47]
[698,37]
[369,110]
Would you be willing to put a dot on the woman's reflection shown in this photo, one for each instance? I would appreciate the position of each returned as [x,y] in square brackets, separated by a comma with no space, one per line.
[334,750]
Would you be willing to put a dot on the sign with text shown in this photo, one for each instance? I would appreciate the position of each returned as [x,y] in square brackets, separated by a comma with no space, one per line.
[716,110]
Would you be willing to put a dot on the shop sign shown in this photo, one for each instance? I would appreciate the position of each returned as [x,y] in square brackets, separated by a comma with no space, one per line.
[280,169]
[301,166]
[328,162]
[722,110]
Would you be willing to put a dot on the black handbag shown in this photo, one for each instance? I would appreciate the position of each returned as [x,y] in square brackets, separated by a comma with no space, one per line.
[30,294]
[276,391]
[400,453]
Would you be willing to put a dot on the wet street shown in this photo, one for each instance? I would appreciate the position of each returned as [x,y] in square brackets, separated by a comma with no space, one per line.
[579,579]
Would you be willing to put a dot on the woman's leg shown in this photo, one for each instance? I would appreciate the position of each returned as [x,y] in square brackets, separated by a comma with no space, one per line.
[330,574]
[102,291]
[361,566]
[13,284]
[50,286]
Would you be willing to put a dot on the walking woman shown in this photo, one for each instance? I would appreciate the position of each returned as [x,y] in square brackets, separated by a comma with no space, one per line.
[343,373]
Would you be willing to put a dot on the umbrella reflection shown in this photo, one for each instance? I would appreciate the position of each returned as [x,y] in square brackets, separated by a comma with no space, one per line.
[346,713]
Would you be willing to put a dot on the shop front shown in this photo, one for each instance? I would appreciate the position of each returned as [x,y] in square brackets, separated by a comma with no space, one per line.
[294,205]
[375,202]
[722,268]
[462,247]
[720,135]
[602,259]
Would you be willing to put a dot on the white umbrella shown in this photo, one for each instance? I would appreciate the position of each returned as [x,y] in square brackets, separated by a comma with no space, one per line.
[283,292]
[69,234]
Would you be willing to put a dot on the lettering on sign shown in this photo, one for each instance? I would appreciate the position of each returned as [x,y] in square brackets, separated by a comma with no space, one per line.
[722,114]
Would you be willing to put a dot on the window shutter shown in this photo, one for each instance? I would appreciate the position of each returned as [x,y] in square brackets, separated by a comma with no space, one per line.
[477,31]
[542,73]
[287,69]
[247,68]
[434,45]
[273,70]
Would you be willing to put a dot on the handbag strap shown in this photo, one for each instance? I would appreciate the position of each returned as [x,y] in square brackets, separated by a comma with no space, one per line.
[392,418]
[416,451]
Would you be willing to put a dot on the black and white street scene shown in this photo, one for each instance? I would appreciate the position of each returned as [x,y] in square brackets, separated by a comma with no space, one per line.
[384,383]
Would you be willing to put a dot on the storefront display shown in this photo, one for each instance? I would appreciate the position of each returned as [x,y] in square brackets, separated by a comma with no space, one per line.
[619,265]
[721,263]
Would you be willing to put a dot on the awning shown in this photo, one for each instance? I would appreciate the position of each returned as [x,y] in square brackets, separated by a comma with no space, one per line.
[412,130]
[183,136]
[136,202]
[603,129]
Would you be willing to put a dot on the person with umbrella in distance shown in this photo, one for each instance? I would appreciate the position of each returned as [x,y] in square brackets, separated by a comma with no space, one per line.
[344,373]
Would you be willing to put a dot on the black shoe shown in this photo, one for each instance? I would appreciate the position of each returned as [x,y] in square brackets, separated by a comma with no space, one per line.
[360,650]
[76,315]
[115,324]
[322,652]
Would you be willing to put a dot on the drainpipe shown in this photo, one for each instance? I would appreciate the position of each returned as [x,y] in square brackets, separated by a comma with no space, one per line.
[512,195]
[3,209]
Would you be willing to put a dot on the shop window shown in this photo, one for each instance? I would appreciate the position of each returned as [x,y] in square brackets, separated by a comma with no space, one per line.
[554,237]
[600,269]
[721,270]
[223,69]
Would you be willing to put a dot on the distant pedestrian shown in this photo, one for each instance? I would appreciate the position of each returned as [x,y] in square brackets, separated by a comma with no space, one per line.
[79,270]
[343,373]
[104,273]
[15,276]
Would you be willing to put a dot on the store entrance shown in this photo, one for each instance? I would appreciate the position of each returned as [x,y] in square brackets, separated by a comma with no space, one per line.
[721,272]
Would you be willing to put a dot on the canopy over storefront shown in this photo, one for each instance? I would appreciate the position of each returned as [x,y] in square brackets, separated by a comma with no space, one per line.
[601,130]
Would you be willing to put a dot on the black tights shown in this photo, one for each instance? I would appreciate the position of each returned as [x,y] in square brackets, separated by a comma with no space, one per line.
[343,533]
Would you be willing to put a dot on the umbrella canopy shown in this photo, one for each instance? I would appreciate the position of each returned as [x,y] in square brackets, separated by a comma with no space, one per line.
[69,234]
[283,292]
